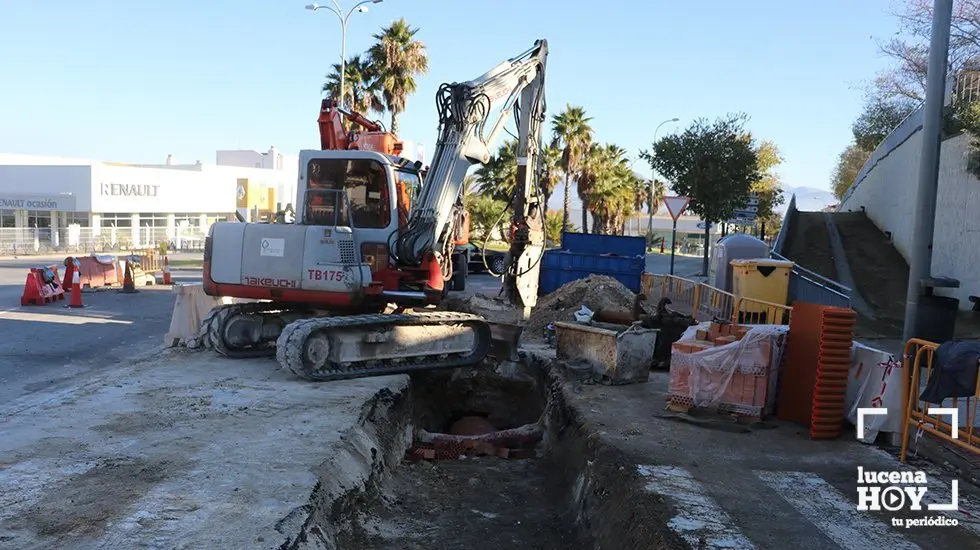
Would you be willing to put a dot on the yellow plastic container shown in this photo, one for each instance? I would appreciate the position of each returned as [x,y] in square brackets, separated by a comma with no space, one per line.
[761,279]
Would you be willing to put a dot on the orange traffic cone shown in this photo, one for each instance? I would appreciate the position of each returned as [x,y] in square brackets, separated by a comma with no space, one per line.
[129,287]
[166,271]
[76,291]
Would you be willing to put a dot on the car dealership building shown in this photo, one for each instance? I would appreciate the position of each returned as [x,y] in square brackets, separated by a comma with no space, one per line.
[58,203]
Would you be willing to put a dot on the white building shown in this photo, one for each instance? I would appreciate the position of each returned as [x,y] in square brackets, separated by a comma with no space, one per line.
[57,203]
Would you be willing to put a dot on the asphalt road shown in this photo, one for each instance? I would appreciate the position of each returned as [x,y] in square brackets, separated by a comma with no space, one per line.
[45,346]
[684,266]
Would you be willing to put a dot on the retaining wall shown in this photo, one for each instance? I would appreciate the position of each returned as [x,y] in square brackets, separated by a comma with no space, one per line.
[886,188]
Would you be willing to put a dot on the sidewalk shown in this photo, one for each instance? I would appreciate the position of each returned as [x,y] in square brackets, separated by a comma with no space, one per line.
[767,485]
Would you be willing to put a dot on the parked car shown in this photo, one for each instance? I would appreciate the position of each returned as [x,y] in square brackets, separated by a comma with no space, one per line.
[495,259]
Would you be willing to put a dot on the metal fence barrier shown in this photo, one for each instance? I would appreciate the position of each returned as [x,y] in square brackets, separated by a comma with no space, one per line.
[917,365]
[17,241]
[707,303]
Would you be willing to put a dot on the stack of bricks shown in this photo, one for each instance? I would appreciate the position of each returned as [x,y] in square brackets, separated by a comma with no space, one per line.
[748,391]
[718,334]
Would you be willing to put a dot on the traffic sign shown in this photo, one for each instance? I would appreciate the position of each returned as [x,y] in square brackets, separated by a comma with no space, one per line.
[676,206]
[705,225]
[748,211]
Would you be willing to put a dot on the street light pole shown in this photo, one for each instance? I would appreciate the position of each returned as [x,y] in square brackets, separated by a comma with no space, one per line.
[652,181]
[360,8]
[924,214]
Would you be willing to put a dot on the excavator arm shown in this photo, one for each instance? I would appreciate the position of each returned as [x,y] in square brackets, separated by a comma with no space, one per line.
[516,87]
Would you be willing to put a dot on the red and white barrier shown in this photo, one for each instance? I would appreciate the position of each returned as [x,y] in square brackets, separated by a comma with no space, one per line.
[875,381]
[39,291]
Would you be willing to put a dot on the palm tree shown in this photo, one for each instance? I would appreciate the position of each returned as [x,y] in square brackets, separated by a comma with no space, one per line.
[361,89]
[602,161]
[572,134]
[659,192]
[397,58]
[609,187]
[497,176]
[550,167]
[553,227]
[469,190]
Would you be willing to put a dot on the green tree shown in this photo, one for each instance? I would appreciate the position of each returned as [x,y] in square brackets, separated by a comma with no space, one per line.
[360,86]
[879,118]
[397,58]
[498,175]
[769,188]
[713,164]
[849,164]
[659,192]
[553,226]
[906,80]
[485,212]
[572,134]
[550,170]
[609,188]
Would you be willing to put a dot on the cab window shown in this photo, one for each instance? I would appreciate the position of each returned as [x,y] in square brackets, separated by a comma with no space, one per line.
[407,187]
[364,182]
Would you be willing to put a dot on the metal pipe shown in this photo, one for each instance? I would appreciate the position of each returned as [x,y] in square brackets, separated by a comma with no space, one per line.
[924,219]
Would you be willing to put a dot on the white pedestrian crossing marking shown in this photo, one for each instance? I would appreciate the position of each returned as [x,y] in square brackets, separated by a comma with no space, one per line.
[700,520]
[833,513]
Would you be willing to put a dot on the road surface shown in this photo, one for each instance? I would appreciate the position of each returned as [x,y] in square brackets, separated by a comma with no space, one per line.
[46,346]
[684,266]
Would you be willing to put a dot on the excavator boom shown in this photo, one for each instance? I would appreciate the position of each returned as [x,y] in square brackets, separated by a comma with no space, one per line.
[516,87]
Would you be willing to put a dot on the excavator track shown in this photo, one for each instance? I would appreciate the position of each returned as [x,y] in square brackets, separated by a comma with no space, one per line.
[308,347]
[214,334]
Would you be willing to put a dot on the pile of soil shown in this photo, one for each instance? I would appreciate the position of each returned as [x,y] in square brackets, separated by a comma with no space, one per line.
[595,292]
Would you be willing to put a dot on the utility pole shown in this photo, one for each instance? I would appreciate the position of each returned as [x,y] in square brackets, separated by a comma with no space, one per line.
[924,215]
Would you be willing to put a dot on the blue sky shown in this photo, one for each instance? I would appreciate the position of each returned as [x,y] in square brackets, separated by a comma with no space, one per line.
[134,81]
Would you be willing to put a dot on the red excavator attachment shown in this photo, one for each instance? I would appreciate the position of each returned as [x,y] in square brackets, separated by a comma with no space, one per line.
[334,135]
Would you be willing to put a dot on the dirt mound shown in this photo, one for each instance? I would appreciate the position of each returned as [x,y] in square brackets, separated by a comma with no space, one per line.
[595,292]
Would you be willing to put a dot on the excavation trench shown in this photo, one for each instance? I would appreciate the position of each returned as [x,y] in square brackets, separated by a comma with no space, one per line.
[485,458]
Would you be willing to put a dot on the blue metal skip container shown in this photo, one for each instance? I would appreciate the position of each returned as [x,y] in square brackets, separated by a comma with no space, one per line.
[560,267]
[586,243]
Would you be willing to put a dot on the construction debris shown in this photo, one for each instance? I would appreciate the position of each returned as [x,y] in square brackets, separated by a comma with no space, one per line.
[492,309]
[596,292]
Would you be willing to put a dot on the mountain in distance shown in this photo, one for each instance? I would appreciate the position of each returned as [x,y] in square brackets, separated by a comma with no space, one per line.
[808,199]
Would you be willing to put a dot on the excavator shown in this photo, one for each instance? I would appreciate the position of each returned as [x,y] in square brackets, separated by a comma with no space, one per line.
[369,232]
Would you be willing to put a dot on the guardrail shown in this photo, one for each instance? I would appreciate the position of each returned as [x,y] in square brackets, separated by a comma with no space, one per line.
[707,303]
[808,286]
[86,240]
[919,353]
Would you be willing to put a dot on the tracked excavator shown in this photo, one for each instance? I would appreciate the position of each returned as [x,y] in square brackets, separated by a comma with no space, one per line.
[369,233]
